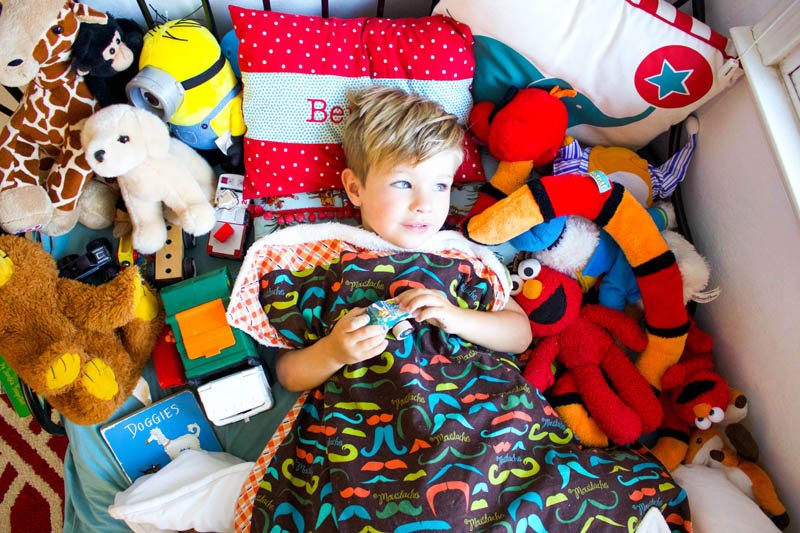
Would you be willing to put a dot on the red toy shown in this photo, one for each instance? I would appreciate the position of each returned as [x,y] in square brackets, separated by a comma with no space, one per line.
[583,340]
[527,129]
[167,361]
[694,396]
[523,131]
[224,232]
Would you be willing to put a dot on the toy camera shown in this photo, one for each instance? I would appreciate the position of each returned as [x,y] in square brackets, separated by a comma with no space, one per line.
[387,313]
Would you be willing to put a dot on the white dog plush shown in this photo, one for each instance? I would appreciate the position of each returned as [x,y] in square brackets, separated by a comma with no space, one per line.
[151,167]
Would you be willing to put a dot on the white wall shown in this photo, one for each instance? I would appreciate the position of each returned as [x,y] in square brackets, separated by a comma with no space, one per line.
[742,220]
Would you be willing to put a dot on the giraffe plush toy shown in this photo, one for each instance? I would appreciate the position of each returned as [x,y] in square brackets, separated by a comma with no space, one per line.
[42,168]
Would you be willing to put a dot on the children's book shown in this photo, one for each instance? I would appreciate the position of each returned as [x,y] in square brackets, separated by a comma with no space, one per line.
[12,388]
[146,440]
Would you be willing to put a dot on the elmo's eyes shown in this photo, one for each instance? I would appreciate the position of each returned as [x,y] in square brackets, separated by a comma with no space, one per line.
[529,269]
[516,285]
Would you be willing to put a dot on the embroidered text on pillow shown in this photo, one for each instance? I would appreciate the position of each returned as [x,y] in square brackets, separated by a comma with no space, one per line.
[296,72]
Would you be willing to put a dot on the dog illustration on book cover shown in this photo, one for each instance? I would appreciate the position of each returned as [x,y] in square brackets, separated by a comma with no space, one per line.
[172,447]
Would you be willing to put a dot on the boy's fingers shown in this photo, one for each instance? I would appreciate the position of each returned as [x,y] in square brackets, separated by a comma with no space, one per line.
[423,300]
[371,343]
[368,332]
[405,297]
[428,313]
[357,320]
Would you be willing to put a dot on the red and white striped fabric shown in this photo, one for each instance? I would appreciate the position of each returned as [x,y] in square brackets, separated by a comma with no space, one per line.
[296,70]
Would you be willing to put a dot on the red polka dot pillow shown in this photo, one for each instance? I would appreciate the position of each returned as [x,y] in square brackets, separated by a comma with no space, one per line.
[297,69]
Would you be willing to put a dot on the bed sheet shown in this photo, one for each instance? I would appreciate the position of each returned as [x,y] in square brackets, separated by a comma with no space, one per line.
[91,475]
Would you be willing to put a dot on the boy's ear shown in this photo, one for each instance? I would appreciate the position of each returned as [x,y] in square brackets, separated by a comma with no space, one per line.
[352,186]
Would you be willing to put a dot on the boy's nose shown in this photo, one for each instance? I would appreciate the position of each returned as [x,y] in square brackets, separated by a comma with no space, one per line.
[421,204]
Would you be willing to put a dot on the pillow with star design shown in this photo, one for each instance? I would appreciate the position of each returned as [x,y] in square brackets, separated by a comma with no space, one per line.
[638,66]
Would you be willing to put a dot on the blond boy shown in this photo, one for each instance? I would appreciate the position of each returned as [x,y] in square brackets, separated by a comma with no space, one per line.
[402,152]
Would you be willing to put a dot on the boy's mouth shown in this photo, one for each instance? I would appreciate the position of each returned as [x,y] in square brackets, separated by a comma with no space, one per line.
[416,227]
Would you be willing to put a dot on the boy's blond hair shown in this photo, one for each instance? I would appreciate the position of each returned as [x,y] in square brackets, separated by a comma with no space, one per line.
[387,127]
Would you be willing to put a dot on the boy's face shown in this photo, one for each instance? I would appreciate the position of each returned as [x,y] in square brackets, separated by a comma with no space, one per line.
[406,204]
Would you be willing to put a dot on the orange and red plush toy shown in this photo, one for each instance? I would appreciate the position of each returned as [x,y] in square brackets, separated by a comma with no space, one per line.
[509,206]
[523,131]
[582,339]
[694,396]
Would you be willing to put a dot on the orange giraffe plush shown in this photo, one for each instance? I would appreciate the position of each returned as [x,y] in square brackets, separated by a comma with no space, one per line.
[42,168]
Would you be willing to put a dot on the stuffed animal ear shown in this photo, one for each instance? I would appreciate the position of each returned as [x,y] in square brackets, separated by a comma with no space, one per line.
[86,14]
[674,377]
[679,374]
[155,131]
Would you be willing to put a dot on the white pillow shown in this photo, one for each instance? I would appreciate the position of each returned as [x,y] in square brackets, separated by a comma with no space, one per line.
[638,66]
[196,490]
[718,505]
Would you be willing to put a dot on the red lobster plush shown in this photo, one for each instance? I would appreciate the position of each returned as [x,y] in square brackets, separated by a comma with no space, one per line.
[583,340]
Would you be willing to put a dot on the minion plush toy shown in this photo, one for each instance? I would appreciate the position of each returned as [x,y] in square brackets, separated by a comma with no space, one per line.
[185,78]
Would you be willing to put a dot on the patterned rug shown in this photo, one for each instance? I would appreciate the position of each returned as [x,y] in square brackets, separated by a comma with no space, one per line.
[31,475]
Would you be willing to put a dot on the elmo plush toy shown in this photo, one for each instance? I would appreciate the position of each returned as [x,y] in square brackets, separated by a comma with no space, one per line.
[582,338]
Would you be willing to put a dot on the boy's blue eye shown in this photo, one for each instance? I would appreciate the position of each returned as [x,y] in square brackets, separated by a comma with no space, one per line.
[442,187]
[402,184]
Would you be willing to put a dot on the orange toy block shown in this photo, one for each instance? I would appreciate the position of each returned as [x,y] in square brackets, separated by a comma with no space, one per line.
[204,329]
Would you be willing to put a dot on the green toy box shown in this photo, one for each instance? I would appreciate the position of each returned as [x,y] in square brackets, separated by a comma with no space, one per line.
[208,346]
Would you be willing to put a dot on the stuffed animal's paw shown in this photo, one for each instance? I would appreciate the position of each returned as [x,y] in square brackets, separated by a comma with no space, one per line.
[149,238]
[198,219]
[24,208]
[145,303]
[63,371]
[61,222]
[539,375]
[96,376]
[99,380]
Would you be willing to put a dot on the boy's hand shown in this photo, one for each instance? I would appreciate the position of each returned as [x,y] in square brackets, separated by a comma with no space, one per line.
[352,341]
[427,305]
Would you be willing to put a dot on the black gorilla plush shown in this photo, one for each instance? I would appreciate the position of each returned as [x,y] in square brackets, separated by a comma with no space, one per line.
[107,56]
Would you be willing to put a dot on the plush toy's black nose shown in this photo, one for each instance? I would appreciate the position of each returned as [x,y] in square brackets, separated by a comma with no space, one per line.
[717,455]
[15,63]
[100,155]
